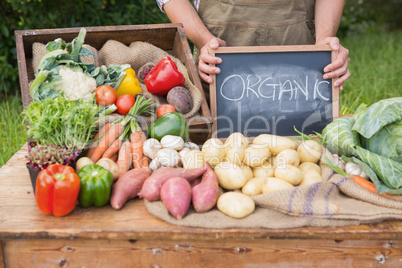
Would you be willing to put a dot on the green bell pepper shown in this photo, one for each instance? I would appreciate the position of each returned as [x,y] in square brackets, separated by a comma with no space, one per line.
[172,123]
[96,185]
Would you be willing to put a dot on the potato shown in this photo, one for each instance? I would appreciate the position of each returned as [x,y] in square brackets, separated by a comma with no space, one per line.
[247,171]
[310,177]
[235,205]
[214,151]
[193,159]
[287,157]
[309,151]
[236,140]
[253,186]
[110,165]
[231,176]
[276,144]
[290,174]
[83,161]
[181,99]
[273,184]
[307,166]
[256,154]
[265,170]
[235,155]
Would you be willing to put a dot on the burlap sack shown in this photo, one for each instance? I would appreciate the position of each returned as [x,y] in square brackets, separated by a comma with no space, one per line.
[337,201]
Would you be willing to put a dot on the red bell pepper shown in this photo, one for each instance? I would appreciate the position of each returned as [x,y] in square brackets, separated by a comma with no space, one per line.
[163,77]
[57,189]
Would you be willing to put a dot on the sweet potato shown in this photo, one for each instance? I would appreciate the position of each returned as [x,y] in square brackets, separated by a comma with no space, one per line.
[128,186]
[152,186]
[206,194]
[176,196]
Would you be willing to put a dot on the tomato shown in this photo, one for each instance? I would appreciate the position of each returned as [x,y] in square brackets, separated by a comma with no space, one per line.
[165,108]
[124,103]
[105,95]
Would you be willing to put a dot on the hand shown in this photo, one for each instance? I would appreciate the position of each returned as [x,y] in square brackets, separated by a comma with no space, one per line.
[205,59]
[339,67]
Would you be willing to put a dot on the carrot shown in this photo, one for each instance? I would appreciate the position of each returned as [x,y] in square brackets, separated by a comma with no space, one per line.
[368,185]
[114,157]
[145,161]
[103,130]
[113,149]
[110,136]
[364,183]
[137,141]
[124,159]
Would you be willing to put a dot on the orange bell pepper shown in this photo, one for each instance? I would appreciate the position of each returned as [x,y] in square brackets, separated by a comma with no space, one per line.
[57,189]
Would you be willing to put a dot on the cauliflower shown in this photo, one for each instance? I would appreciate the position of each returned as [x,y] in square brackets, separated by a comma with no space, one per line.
[75,84]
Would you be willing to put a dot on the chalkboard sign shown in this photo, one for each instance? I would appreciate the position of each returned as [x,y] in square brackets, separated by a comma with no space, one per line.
[273,90]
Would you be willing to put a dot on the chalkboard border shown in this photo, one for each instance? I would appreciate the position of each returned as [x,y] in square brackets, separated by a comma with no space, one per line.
[269,49]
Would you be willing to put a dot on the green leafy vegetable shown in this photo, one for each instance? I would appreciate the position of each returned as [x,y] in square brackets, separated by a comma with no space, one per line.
[78,83]
[373,138]
[60,122]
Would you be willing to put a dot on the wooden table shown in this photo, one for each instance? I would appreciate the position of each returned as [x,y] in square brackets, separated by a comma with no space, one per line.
[131,237]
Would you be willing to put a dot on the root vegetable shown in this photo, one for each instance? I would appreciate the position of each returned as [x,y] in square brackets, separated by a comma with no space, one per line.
[308,166]
[274,184]
[309,151]
[265,170]
[83,161]
[231,176]
[110,165]
[193,159]
[276,144]
[287,157]
[235,205]
[176,196]
[253,186]
[310,177]
[214,151]
[255,155]
[151,188]
[128,186]
[206,194]
[289,174]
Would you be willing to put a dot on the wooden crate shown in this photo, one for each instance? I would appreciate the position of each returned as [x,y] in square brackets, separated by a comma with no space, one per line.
[169,37]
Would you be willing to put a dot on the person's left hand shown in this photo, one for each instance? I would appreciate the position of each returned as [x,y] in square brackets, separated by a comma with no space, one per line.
[339,67]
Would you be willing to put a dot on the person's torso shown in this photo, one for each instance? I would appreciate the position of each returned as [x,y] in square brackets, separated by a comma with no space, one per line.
[260,22]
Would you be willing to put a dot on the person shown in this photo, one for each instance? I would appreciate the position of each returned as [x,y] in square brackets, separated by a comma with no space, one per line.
[210,24]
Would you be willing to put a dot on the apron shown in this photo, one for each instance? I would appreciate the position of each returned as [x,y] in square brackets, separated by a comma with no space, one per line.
[258,23]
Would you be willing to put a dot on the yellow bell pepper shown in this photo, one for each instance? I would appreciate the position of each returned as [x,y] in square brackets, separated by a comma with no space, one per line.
[130,84]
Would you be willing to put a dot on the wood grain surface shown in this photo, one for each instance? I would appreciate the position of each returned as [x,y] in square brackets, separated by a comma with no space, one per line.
[131,237]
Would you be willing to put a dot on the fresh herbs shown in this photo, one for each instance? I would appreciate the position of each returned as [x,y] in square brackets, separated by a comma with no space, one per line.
[60,122]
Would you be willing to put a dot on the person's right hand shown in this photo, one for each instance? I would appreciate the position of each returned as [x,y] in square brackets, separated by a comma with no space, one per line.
[205,59]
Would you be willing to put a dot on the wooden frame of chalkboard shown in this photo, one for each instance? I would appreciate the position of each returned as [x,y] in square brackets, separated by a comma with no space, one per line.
[272,90]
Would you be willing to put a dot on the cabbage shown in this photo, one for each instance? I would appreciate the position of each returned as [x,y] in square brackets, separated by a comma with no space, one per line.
[373,137]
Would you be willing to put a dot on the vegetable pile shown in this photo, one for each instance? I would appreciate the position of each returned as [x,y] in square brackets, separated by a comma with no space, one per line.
[372,138]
